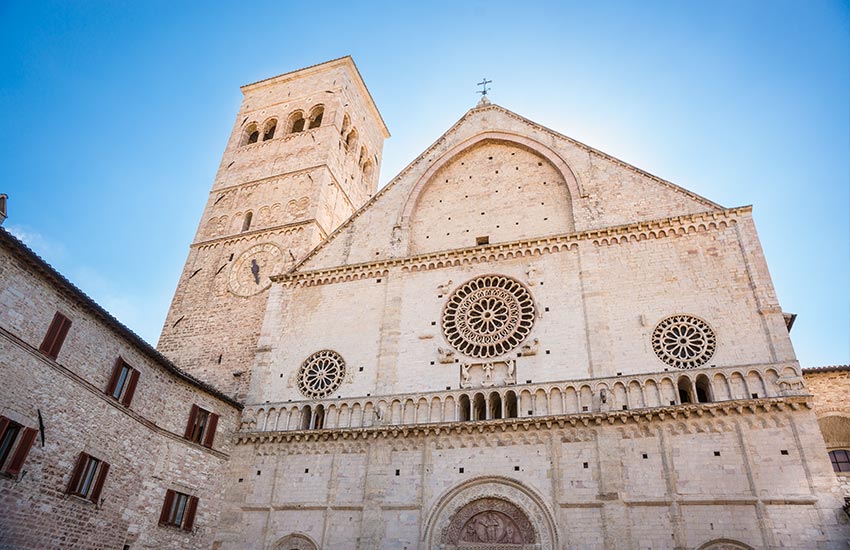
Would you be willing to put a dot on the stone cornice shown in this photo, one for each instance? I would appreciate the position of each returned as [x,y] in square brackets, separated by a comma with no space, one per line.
[634,417]
[345,61]
[256,183]
[260,181]
[248,235]
[654,229]
[443,138]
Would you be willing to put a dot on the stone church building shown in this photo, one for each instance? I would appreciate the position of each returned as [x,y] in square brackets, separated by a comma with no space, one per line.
[520,342]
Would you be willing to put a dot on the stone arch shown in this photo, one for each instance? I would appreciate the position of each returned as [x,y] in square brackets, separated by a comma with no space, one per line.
[269,128]
[295,541]
[518,502]
[506,137]
[560,210]
[725,544]
[296,122]
[251,134]
[316,115]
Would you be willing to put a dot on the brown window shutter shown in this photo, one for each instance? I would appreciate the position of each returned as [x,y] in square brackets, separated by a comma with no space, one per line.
[55,335]
[189,425]
[52,331]
[21,453]
[60,337]
[166,507]
[98,484]
[211,425]
[131,387]
[191,508]
[3,423]
[77,473]
[116,373]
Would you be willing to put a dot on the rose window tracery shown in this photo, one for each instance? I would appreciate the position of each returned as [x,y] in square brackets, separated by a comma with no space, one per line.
[684,341]
[488,316]
[321,374]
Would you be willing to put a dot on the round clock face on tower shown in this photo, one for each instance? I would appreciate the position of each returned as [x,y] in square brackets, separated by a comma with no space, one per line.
[250,273]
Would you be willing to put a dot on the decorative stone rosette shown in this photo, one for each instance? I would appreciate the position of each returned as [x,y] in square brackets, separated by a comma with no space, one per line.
[321,374]
[684,341]
[488,316]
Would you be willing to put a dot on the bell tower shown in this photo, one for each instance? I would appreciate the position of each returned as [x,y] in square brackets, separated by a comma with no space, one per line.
[303,155]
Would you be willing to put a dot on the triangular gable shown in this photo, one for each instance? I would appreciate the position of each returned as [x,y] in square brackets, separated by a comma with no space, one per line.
[604,191]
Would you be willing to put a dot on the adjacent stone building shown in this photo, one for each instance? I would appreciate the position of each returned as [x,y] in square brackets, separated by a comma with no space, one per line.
[520,342]
[97,428]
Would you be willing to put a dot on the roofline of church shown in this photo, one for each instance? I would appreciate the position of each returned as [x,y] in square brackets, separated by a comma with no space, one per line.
[34,260]
[345,60]
[827,368]
[598,152]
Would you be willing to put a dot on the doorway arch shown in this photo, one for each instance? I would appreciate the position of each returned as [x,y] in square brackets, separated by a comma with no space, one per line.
[490,510]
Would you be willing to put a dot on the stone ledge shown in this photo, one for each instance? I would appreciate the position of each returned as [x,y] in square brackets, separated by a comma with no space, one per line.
[635,416]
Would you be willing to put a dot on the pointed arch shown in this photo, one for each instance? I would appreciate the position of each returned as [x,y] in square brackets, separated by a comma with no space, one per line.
[505,137]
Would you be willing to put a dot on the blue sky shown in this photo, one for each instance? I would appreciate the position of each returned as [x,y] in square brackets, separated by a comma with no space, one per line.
[114,117]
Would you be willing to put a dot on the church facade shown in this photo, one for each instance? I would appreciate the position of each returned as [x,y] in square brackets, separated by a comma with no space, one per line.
[520,342]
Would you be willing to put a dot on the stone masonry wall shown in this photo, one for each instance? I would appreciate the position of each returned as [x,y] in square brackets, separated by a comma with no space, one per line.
[143,443]
[634,483]
[296,187]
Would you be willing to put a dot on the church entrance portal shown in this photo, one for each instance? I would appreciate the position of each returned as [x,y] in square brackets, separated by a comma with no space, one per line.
[492,524]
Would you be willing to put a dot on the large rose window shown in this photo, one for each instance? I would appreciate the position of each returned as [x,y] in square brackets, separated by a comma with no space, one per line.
[321,374]
[488,316]
[684,341]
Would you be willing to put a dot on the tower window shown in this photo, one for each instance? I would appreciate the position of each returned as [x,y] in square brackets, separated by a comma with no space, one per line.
[296,122]
[367,172]
[251,135]
[316,115]
[246,224]
[351,139]
[268,133]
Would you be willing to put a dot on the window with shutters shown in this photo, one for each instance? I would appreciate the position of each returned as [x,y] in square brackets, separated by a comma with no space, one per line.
[201,426]
[178,510]
[88,478]
[55,336]
[122,384]
[15,444]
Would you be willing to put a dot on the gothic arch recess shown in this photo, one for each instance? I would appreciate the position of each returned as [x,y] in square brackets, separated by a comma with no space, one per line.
[497,185]
[490,511]
[295,542]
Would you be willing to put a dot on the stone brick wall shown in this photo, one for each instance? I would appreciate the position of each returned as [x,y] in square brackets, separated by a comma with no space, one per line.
[640,482]
[297,187]
[597,306]
[830,387]
[604,191]
[143,443]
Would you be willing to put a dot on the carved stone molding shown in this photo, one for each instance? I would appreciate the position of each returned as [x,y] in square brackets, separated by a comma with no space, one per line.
[489,520]
[623,234]
[295,542]
[490,505]
[751,410]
